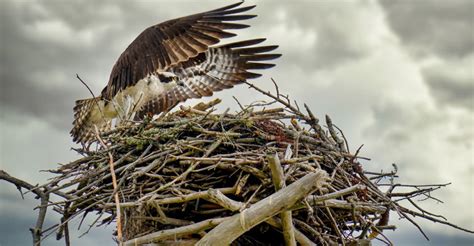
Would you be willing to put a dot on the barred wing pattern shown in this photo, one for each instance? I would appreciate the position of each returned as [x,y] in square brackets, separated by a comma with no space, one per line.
[162,46]
[171,62]
[214,70]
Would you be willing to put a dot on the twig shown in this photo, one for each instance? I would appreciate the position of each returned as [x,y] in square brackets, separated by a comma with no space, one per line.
[114,183]
[92,93]
[85,84]
[36,231]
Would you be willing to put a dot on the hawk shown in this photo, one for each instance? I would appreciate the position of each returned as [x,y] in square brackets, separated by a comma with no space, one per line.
[171,62]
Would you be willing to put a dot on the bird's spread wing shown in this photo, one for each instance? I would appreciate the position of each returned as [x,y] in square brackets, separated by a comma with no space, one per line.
[172,42]
[216,69]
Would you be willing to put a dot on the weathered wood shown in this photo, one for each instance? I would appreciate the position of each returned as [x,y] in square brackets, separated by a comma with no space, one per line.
[300,237]
[171,200]
[233,227]
[278,178]
[217,197]
[195,164]
[175,232]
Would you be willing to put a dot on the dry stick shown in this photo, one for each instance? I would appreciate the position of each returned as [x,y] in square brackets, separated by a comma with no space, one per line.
[424,211]
[172,200]
[367,208]
[334,136]
[311,230]
[70,218]
[335,227]
[35,232]
[343,137]
[300,237]
[191,168]
[217,197]
[84,83]
[232,228]
[414,214]
[339,193]
[175,232]
[114,183]
[164,220]
[278,99]
[278,178]
[92,93]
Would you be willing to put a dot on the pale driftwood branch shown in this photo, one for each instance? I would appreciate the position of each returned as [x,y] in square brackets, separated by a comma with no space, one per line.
[369,208]
[175,232]
[217,197]
[334,136]
[339,193]
[232,228]
[278,178]
[171,200]
[315,200]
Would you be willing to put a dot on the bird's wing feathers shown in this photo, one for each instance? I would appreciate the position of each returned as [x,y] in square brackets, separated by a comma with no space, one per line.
[182,51]
[216,69]
[172,42]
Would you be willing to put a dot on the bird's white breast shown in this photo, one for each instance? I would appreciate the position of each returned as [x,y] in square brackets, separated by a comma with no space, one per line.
[133,98]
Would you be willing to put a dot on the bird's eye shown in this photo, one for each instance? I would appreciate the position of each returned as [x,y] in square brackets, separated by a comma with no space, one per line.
[164,78]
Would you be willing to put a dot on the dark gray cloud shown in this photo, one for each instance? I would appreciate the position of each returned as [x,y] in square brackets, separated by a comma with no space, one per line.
[38,69]
[451,89]
[396,124]
[316,31]
[45,43]
[442,27]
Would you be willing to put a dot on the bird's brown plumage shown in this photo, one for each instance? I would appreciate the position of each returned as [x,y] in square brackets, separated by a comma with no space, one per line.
[183,47]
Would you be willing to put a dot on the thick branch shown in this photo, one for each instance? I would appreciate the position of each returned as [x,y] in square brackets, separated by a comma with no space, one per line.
[280,201]
[175,232]
[278,178]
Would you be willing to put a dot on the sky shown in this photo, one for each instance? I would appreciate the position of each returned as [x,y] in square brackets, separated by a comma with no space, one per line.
[396,76]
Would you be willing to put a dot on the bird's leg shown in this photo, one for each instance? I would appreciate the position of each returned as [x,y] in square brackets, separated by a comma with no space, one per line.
[149,115]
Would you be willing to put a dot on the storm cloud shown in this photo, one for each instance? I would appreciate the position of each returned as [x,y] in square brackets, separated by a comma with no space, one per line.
[439,34]
[426,27]
[396,76]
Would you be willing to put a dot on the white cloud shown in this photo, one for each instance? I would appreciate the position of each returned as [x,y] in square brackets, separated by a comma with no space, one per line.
[292,38]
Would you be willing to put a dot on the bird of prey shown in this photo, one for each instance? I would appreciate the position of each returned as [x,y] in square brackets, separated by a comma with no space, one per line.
[171,62]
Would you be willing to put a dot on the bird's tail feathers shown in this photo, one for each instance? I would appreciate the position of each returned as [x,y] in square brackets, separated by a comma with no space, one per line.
[85,120]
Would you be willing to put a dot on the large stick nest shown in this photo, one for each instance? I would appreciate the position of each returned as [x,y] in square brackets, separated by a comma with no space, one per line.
[181,175]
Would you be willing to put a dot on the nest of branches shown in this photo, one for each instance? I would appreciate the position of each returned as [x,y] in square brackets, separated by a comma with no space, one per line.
[268,174]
